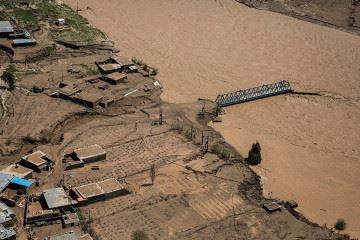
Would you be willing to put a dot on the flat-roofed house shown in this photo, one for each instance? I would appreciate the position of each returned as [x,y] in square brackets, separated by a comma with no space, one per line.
[271,207]
[70,219]
[6,29]
[90,154]
[6,215]
[67,92]
[36,161]
[23,42]
[90,98]
[5,180]
[108,68]
[88,193]
[18,171]
[116,78]
[124,62]
[99,191]
[112,188]
[57,198]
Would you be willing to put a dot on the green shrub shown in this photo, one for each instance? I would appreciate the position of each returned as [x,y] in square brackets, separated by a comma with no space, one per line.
[41,54]
[254,157]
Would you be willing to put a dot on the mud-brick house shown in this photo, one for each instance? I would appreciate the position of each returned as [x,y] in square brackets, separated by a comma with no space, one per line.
[89,98]
[18,171]
[37,161]
[107,68]
[116,78]
[89,154]
[99,191]
[125,63]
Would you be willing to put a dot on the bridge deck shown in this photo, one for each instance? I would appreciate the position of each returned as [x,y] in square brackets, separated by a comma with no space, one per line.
[251,94]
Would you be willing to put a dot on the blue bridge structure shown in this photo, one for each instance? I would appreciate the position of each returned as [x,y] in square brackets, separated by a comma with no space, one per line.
[241,96]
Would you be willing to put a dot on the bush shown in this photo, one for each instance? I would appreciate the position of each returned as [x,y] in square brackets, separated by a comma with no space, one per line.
[154,72]
[176,126]
[340,224]
[137,61]
[145,68]
[9,76]
[41,54]
[220,151]
[139,235]
[7,142]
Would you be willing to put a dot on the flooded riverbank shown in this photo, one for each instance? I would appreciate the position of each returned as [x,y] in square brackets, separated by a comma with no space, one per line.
[311,144]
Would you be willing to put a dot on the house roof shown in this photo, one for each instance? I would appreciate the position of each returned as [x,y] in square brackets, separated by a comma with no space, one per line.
[23,41]
[17,170]
[109,67]
[5,179]
[89,190]
[89,95]
[69,90]
[111,185]
[116,76]
[35,158]
[89,151]
[6,27]
[123,61]
[56,198]
[6,213]
[22,182]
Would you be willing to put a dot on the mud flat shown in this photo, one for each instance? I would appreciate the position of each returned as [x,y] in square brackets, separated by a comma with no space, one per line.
[310,143]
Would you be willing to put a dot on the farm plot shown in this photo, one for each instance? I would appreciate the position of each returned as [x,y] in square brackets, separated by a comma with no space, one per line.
[122,224]
[135,156]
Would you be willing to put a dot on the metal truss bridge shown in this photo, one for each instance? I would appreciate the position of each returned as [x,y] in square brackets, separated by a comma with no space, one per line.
[251,94]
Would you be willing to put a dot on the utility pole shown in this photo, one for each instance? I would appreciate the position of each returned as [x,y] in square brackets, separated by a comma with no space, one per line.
[233,208]
[205,144]
[161,117]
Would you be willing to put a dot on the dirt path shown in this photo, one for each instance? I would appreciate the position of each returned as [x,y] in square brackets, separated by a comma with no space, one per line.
[310,143]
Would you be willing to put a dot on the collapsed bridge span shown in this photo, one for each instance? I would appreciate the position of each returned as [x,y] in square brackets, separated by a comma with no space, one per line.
[268,90]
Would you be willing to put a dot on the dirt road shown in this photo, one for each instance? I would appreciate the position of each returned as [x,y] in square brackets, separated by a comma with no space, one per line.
[311,144]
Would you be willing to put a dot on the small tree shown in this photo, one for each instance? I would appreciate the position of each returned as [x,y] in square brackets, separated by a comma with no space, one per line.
[9,76]
[340,225]
[139,235]
[152,173]
[254,157]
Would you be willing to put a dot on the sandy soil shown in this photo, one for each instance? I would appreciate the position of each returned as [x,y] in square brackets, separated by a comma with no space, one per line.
[310,144]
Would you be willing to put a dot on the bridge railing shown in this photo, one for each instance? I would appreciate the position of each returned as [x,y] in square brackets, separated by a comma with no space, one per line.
[246,95]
